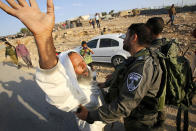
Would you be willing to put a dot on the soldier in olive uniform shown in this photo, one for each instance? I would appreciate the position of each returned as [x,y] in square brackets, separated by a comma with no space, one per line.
[133,86]
[156,24]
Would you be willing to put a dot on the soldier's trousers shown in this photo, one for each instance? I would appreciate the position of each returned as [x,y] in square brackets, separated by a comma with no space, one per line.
[153,122]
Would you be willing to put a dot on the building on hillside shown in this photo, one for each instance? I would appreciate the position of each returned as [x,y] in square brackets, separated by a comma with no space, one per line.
[85,17]
[125,13]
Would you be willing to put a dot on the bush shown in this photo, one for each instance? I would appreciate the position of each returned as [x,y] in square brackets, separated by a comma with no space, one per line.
[104,13]
[25,31]
[111,12]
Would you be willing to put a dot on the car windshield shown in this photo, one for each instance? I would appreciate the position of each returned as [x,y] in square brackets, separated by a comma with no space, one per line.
[122,36]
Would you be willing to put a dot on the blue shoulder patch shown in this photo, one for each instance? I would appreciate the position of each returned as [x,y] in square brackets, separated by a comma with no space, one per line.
[133,81]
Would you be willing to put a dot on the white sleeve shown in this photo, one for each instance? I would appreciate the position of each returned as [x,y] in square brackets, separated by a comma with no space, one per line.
[55,84]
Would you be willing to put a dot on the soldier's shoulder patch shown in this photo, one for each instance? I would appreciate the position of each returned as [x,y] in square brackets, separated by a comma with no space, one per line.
[133,81]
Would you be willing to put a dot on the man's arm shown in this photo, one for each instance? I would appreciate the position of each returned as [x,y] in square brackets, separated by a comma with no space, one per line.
[40,24]
[90,50]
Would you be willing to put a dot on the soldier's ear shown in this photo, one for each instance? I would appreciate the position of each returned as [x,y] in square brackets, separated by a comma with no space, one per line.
[135,37]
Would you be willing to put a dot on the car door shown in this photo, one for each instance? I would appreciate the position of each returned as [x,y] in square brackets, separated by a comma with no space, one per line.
[107,48]
[93,45]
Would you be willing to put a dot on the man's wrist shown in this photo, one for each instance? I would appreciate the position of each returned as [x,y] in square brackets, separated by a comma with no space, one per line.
[46,50]
[43,37]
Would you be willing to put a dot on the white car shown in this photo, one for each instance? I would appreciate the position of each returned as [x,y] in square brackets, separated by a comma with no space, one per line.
[107,48]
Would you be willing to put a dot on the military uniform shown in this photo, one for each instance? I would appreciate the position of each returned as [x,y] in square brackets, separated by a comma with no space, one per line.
[166,46]
[132,94]
[157,43]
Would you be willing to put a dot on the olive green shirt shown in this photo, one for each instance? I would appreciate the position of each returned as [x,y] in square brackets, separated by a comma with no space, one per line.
[134,91]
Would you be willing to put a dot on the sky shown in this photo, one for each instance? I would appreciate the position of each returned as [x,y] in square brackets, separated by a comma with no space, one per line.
[67,9]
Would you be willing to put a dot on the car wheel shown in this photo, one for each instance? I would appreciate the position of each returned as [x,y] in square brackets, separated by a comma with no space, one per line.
[116,60]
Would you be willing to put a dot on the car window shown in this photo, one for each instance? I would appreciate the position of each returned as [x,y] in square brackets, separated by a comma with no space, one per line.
[105,43]
[92,43]
[108,43]
[114,43]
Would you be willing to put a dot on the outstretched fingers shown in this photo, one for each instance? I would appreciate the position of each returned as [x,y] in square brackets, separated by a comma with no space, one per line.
[13,4]
[33,4]
[23,3]
[50,7]
[7,9]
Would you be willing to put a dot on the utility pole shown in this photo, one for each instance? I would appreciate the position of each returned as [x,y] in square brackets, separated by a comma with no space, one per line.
[182,3]
[182,6]
[163,3]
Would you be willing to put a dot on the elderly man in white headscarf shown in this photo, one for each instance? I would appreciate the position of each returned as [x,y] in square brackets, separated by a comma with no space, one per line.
[63,91]
[56,76]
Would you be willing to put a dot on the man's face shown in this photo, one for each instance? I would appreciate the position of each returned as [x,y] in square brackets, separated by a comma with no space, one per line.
[127,42]
[79,65]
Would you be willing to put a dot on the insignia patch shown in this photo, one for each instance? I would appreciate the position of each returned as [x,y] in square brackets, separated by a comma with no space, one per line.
[133,81]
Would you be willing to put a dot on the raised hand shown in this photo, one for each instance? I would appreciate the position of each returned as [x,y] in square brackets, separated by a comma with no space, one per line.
[40,24]
[30,15]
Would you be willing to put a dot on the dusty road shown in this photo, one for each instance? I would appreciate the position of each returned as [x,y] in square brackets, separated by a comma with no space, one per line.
[23,106]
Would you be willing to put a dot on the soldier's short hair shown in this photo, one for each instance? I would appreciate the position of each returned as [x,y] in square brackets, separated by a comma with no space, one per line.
[156,24]
[143,33]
